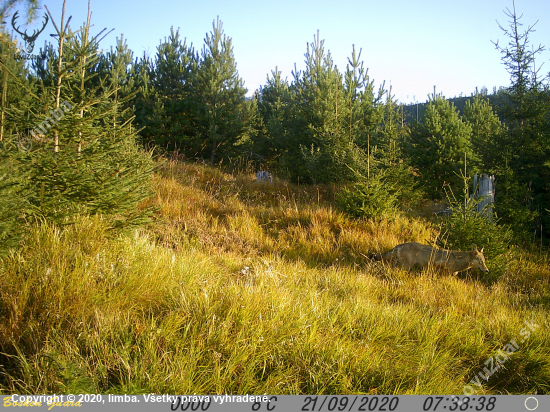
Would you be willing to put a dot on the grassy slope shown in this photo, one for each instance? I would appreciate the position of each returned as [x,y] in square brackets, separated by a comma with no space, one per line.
[241,287]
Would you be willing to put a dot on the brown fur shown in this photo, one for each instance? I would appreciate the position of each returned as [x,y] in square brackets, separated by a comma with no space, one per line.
[408,255]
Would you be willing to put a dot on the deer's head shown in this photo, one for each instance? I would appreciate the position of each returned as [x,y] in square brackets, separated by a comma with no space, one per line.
[29,40]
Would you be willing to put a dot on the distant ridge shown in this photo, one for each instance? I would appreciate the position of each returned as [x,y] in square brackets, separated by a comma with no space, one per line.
[412,110]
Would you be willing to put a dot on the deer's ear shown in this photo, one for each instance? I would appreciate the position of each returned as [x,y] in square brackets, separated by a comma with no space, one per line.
[481,251]
[474,248]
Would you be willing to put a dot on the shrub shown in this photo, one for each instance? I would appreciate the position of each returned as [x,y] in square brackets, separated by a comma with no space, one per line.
[409,193]
[465,227]
[372,198]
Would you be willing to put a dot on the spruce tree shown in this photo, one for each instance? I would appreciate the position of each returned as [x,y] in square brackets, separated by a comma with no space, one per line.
[438,146]
[391,133]
[147,105]
[220,93]
[273,105]
[366,108]
[77,165]
[487,132]
[322,139]
[525,147]
[174,124]
[121,75]
[14,138]
[14,80]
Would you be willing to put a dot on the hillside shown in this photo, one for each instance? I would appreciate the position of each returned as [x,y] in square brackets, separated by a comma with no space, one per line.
[247,288]
[413,111]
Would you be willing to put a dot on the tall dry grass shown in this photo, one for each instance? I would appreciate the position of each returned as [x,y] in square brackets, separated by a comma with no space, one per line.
[241,287]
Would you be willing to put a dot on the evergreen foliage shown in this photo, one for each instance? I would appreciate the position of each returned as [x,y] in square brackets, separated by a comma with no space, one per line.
[168,95]
[438,146]
[330,115]
[392,132]
[14,84]
[110,310]
[487,131]
[6,6]
[121,75]
[147,107]
[323,126]
[525,147]
[274,119]
[465,227]
[221,109]
[389,154]
[372,198]
[81,158]
[14,136]
[14,202]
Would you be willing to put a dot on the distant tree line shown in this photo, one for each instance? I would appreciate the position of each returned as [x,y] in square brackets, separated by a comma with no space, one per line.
[323,126]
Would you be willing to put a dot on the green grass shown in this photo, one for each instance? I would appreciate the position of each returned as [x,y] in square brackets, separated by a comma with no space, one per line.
[246,288]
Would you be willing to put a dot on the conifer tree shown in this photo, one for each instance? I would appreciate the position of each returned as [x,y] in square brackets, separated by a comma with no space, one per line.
[389,153]
[438,146]
[366,108]
[326,117]
[525,148]
[220,93]
[487,132]
[525,104]
[389,138]
[147,105]
[273,105]
[119,67]
[75,164]
[42,69]
[174,124]
[14,137]
[318,92]
[12,96]
[364,115]
[356,85]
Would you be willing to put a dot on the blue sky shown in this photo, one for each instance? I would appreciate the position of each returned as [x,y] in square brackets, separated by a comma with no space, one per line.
[412,45]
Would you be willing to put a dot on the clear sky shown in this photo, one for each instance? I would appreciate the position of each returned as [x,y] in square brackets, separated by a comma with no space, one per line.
[412,45]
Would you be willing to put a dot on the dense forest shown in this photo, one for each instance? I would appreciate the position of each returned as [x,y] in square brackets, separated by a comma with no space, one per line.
[139,254]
